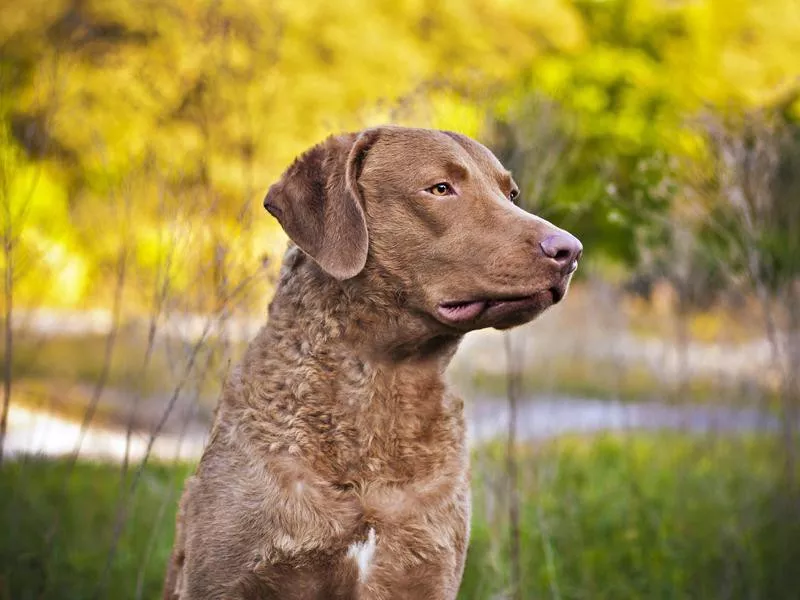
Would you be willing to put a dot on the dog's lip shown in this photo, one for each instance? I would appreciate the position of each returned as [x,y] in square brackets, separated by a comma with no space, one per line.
[461,311]
[458,311]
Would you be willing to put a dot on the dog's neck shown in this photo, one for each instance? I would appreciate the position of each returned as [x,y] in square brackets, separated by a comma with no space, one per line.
[344,372]
[350,317]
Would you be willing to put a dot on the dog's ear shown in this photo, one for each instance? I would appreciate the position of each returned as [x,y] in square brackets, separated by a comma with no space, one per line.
[319,206]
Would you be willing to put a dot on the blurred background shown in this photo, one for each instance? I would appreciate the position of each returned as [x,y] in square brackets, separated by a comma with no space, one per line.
[640,440]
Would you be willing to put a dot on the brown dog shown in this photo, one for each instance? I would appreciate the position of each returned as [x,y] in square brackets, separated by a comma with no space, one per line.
[337,465]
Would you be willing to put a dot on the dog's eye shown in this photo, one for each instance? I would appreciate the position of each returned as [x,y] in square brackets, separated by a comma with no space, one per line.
[514,195]
[440,189]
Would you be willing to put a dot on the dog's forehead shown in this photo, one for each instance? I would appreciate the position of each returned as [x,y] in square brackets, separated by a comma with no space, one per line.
[479,153]
[431,147]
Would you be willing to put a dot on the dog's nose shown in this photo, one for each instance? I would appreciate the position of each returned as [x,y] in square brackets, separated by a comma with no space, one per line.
[564,248]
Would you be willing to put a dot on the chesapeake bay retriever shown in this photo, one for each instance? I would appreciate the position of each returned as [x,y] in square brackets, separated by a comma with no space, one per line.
[337,464]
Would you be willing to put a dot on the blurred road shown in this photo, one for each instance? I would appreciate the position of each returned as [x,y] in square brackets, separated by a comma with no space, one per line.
[538,418]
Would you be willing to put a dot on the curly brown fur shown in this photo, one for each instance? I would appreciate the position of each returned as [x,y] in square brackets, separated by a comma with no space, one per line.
[337,465]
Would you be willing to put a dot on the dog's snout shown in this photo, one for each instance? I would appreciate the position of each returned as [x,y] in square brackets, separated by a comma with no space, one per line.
[565,249]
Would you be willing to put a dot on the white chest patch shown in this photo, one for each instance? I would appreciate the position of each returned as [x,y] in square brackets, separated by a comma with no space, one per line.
[363,553]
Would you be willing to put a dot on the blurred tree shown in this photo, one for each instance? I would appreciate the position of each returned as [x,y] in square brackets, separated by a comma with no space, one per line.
[194,107]
[753,229]
[617,110]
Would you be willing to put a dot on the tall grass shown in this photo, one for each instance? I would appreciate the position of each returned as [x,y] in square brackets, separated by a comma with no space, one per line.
[668,516]
[665,516]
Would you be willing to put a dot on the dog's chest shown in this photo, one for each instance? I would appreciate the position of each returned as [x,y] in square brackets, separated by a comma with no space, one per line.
[386,532]
[386,434]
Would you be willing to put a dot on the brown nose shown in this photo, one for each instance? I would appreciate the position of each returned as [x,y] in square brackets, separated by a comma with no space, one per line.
[565,249]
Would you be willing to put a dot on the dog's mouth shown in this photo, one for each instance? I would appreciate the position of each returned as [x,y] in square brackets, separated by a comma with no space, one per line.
[460,312]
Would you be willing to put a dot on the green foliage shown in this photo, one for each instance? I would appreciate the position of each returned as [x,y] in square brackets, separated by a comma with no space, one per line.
[755,228]
[620,111]
[618,107]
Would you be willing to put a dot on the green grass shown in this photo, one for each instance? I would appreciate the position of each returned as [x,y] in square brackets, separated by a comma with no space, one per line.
[646,517]
[33,500]
[665,516]
[81,359]
[59,374]
[605,380]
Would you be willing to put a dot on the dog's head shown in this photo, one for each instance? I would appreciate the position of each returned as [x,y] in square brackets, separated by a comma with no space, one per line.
[434,212]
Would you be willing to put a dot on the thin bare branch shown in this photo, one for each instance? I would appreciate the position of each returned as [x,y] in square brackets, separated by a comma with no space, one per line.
[513,362]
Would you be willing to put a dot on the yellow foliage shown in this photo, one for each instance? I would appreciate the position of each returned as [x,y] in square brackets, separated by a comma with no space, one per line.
[185,111]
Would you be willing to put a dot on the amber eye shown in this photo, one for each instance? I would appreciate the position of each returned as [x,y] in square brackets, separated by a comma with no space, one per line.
[440,189]
[514,195]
